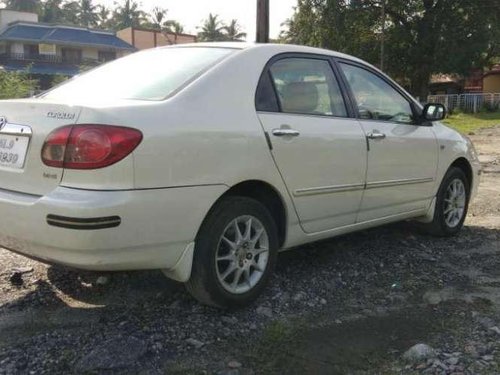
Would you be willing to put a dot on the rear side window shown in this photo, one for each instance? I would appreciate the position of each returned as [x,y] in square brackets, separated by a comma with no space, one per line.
[307,86]
[148,75]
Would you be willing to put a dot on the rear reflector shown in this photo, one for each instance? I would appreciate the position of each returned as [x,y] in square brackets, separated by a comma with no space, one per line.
[89,146]
[83,223]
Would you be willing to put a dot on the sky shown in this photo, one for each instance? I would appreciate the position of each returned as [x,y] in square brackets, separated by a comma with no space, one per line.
[191,13]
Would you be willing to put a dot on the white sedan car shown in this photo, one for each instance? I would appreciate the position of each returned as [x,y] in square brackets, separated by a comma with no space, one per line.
[205,160]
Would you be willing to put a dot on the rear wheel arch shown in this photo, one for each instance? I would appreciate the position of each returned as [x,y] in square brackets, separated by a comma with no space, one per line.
[267,195]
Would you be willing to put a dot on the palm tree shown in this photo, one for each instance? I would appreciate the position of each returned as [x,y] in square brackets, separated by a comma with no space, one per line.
[70,11]
[157,16]
[212,29]
[173,27]
[87,13]
[128,15]
[52,12]
[233,32]
[103,14]
[24,5]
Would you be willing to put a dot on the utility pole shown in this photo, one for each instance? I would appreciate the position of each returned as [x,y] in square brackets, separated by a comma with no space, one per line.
[262,21]
[382,37]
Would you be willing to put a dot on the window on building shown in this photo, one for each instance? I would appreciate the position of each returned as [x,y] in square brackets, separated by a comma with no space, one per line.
[71,55]
[30,50]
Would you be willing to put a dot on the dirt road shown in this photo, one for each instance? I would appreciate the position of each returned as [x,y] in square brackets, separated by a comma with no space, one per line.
[353,304]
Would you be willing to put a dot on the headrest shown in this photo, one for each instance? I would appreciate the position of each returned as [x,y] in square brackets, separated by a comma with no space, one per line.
[300,97]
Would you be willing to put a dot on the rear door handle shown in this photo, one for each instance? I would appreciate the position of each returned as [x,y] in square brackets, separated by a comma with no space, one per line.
[376,135]
[282,132]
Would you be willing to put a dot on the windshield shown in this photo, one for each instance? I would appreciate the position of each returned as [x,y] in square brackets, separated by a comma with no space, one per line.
[148,75]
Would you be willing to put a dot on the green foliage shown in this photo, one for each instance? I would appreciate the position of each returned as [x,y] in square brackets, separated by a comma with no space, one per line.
[24,5]
[15,85]
[233,32]
[212,29]
[128,15]
[58,79]
[215,30]
[421,37]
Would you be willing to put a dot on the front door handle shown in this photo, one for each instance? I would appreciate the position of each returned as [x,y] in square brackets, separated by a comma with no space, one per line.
[376,135]
[282,132]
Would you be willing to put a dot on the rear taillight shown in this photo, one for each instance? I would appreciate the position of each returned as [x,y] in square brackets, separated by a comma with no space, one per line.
[89,146]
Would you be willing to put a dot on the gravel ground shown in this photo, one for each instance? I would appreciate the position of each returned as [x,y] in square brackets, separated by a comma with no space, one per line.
[353,304]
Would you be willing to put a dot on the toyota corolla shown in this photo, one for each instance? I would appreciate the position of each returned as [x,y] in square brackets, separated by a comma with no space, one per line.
[205,160]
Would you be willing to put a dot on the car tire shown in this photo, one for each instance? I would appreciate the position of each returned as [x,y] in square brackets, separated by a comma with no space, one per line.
[452,202]
[231,265]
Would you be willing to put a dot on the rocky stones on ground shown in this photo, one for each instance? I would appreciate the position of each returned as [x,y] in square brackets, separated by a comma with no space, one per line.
[234,364]
[115,353]
[16,279]
[418,353]
[194,342]
[102,280]
[265,311]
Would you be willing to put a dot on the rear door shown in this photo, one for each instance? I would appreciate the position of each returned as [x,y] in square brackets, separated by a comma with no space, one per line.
[403,154]
[318,148]
[25,125]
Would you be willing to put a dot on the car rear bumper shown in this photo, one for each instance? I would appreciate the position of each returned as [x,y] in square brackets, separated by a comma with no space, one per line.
[105,230]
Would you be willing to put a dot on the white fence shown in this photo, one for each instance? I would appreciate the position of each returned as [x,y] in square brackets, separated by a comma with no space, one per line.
[467,102]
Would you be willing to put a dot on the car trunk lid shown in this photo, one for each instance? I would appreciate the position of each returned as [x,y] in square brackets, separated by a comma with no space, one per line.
[25,125]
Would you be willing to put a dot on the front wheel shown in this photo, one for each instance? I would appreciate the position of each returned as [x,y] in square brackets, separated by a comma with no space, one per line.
[235,253]
[452,202]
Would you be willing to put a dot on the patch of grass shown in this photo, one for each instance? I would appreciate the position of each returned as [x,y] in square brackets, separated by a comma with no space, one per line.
[272,351]
[468,122]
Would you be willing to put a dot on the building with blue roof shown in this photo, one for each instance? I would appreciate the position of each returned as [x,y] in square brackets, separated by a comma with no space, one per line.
[47,50]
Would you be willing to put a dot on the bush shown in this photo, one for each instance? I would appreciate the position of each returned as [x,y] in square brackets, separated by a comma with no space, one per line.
[16,85]
[58,79]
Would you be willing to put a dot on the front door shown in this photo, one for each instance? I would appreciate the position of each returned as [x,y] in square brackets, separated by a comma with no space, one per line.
[402,156]
[319,150]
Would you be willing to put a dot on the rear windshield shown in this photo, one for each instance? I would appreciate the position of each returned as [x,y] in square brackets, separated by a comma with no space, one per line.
[148,75]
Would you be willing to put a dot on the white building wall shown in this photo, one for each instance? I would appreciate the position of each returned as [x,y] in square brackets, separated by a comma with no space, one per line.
[7,16]
[90,53]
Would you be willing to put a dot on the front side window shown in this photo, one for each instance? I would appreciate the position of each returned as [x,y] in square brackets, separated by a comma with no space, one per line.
[307,86]
[376,99]
[148,75]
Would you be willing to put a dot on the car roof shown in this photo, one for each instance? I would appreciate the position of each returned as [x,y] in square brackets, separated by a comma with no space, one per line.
[273,47]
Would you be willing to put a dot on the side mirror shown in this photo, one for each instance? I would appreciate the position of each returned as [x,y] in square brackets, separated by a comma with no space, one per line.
[433,112]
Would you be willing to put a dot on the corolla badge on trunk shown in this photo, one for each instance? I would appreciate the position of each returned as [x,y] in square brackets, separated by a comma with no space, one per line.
[61,115]
[3,121]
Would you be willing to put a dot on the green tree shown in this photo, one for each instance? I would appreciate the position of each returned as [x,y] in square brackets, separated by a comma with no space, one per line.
[128,15]
[16,85]
[87,13]
[173,27]
[158,16]
[234,32]
[24,5]
[52,12]
[71,10]
[103,14]
[212,29]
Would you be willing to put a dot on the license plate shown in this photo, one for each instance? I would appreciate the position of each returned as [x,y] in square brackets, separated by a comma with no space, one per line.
[13,150]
